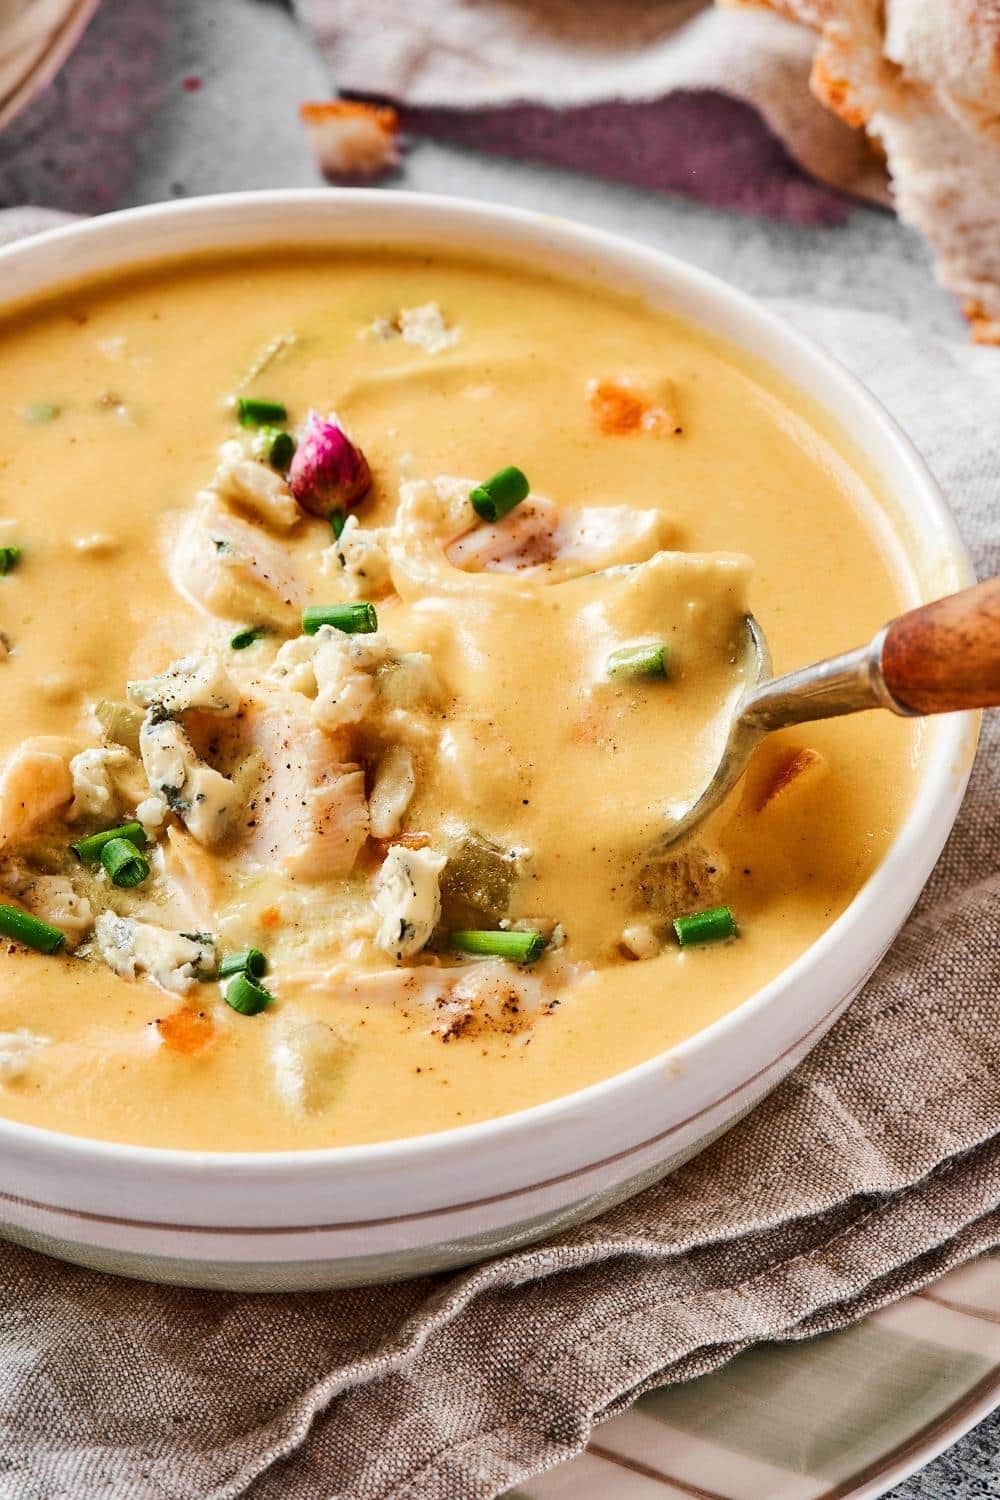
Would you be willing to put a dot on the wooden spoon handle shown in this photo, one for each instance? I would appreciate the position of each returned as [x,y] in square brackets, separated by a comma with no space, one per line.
[946,655]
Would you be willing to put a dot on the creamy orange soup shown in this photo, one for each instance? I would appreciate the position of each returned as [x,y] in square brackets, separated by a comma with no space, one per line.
[257,614]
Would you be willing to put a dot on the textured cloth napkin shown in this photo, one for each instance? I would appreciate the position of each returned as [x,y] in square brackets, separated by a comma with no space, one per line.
[873,1169]
[666,94]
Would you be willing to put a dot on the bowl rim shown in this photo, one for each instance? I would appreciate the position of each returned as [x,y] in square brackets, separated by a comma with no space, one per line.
[941,786]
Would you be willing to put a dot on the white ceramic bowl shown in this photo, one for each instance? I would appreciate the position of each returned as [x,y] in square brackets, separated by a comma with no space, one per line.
[366,1213]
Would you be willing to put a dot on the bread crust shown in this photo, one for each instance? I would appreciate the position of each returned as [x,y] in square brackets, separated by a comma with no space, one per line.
[922,77]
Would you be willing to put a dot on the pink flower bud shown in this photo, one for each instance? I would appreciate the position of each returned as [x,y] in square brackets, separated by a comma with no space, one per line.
[328,472]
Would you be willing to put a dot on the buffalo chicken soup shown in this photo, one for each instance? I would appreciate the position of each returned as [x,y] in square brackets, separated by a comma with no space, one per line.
[364,619]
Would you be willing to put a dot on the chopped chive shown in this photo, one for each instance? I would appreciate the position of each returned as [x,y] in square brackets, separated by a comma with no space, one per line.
[41,411]
[245,996]
[521,947]
[9,559]
[637,661]
[254,413]
[244,638]
[29,930]
[124,863]
[90,848]
[353,619]
[497,496]
[710,926]
[338,520]
[274,447]
[250,961]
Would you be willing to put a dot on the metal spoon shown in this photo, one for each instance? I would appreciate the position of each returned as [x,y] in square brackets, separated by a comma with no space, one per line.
[935,659]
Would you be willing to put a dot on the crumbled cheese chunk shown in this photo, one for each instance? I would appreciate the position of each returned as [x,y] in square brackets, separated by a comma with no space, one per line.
[426,328]
[151,812]
[407,899]
[392,791]
[360,560]
[201,796]
[193,682]
[173,960]
[243,480]
[94,792]
[17,1048]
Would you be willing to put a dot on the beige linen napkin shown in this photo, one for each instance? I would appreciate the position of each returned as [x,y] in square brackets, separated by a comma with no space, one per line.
[874,1168]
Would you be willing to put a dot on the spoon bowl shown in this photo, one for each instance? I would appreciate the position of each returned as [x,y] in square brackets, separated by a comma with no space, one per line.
[936,659]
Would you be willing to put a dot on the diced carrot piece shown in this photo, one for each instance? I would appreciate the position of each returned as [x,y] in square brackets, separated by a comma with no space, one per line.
[793,765]
[187,1031]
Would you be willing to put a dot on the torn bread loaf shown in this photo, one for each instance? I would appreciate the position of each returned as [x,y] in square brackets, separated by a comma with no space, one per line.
[923,79]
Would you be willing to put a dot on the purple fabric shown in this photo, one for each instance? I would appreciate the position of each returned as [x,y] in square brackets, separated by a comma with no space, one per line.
[729,156]
[75,146]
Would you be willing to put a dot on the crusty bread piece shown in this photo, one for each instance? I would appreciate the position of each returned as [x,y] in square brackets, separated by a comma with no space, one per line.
[923,78]
[350,139]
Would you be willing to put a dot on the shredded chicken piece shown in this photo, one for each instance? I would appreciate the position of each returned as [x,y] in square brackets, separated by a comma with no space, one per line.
[35,785]
[539,537]
[228,567]
[243,481]
[309,814]
[392,791]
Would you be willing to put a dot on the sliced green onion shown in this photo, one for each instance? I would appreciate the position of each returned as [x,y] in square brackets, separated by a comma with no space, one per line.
[26,929]
[353,619]
[710,926]
[254,413]
[520,947]
[637,661]
[41,411]
[250,961]
[275,447]
[338,520]
[244,638]
[245,996]
[497,496]
[89,849]
[9,559]
[124,863]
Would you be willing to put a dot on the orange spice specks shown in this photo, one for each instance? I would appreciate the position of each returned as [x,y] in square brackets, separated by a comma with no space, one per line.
[187,1031]
[270,917]
[787,770]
